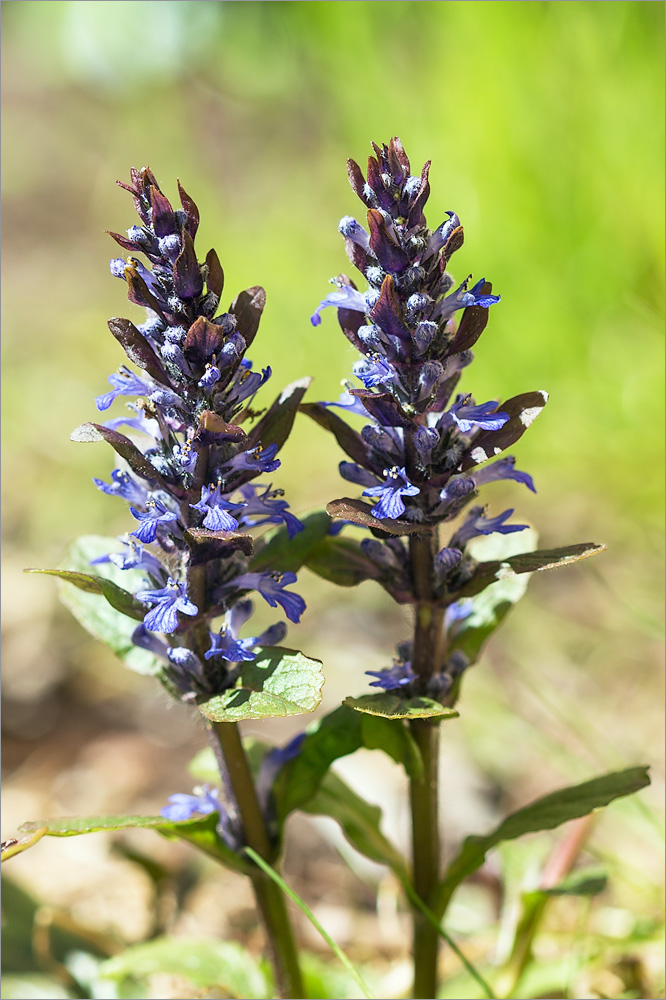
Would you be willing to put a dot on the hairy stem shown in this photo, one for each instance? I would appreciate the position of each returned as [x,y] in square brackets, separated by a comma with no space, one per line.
[270,899]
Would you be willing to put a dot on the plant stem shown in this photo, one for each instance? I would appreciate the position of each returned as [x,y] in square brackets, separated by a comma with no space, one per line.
[427,655]
[270,899]
[426,848]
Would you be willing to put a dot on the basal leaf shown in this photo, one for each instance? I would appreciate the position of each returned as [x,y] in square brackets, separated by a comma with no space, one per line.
[359,821]
[393,706]
[279,683]
[225,965]
[543,814]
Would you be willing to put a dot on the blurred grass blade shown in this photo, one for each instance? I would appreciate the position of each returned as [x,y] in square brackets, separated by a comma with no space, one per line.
[295,898]
[416,901]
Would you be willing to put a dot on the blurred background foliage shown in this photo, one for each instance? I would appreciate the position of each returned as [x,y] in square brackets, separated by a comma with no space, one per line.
[544,122]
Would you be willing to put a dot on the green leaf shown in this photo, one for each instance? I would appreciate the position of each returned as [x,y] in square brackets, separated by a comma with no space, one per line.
[392,706]
[101,620]
[358,820]
[341,561]
[201,832]
[276,549]
[90,583]
[543,814]
[336,735]
[490,607]
[279,683]
[589,881]
[222,964]
[305,909]
[17,845]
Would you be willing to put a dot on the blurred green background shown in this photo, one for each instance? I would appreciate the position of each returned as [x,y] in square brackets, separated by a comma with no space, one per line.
[544,124]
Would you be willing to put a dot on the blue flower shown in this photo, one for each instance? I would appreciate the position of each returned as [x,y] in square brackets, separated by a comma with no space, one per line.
[124,486]
[350,403]
[182,807]
[374,371]
[216,508]
[211,375]
[462,298]
[467,416]
[134,557]
[245,384]
[503,469]
[155,513]
[255,460]
[477,523]
[398,676]
[125,383]
[345,297]
[351,229]
[168,602]
[395,487]
[268,508]
[271,587]
[272,764]
[227,644]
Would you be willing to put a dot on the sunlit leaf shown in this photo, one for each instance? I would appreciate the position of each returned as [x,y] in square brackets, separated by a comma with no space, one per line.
[279,683]
[393,706]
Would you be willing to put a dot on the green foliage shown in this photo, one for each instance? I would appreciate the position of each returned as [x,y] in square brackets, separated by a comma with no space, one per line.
[391,706]
[222,964]
[201,832]
[103,618]
[336,735]
[359,821]
[276,549]
[543,814]
[278,683]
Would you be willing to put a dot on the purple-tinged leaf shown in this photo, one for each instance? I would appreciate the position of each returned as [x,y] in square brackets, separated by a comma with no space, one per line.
[187,279]
[247,308]
[123,241]
[359,513]
[375,181]
[163,218]
[90,432]
[202,341]
[205,546]
[522,410]
[390,255]
[349,440]
[383,407]
[356,179]
[215,278]
[454,242]
[190,209]
[214,429]
[416,211]
[139,293]
[387,311]
[398,161]
[275,425]
[529,562]
[138,349]
[473,323]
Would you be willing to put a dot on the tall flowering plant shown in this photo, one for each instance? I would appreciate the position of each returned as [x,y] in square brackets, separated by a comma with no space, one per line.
[172,596]
[422,457]
[194,461]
